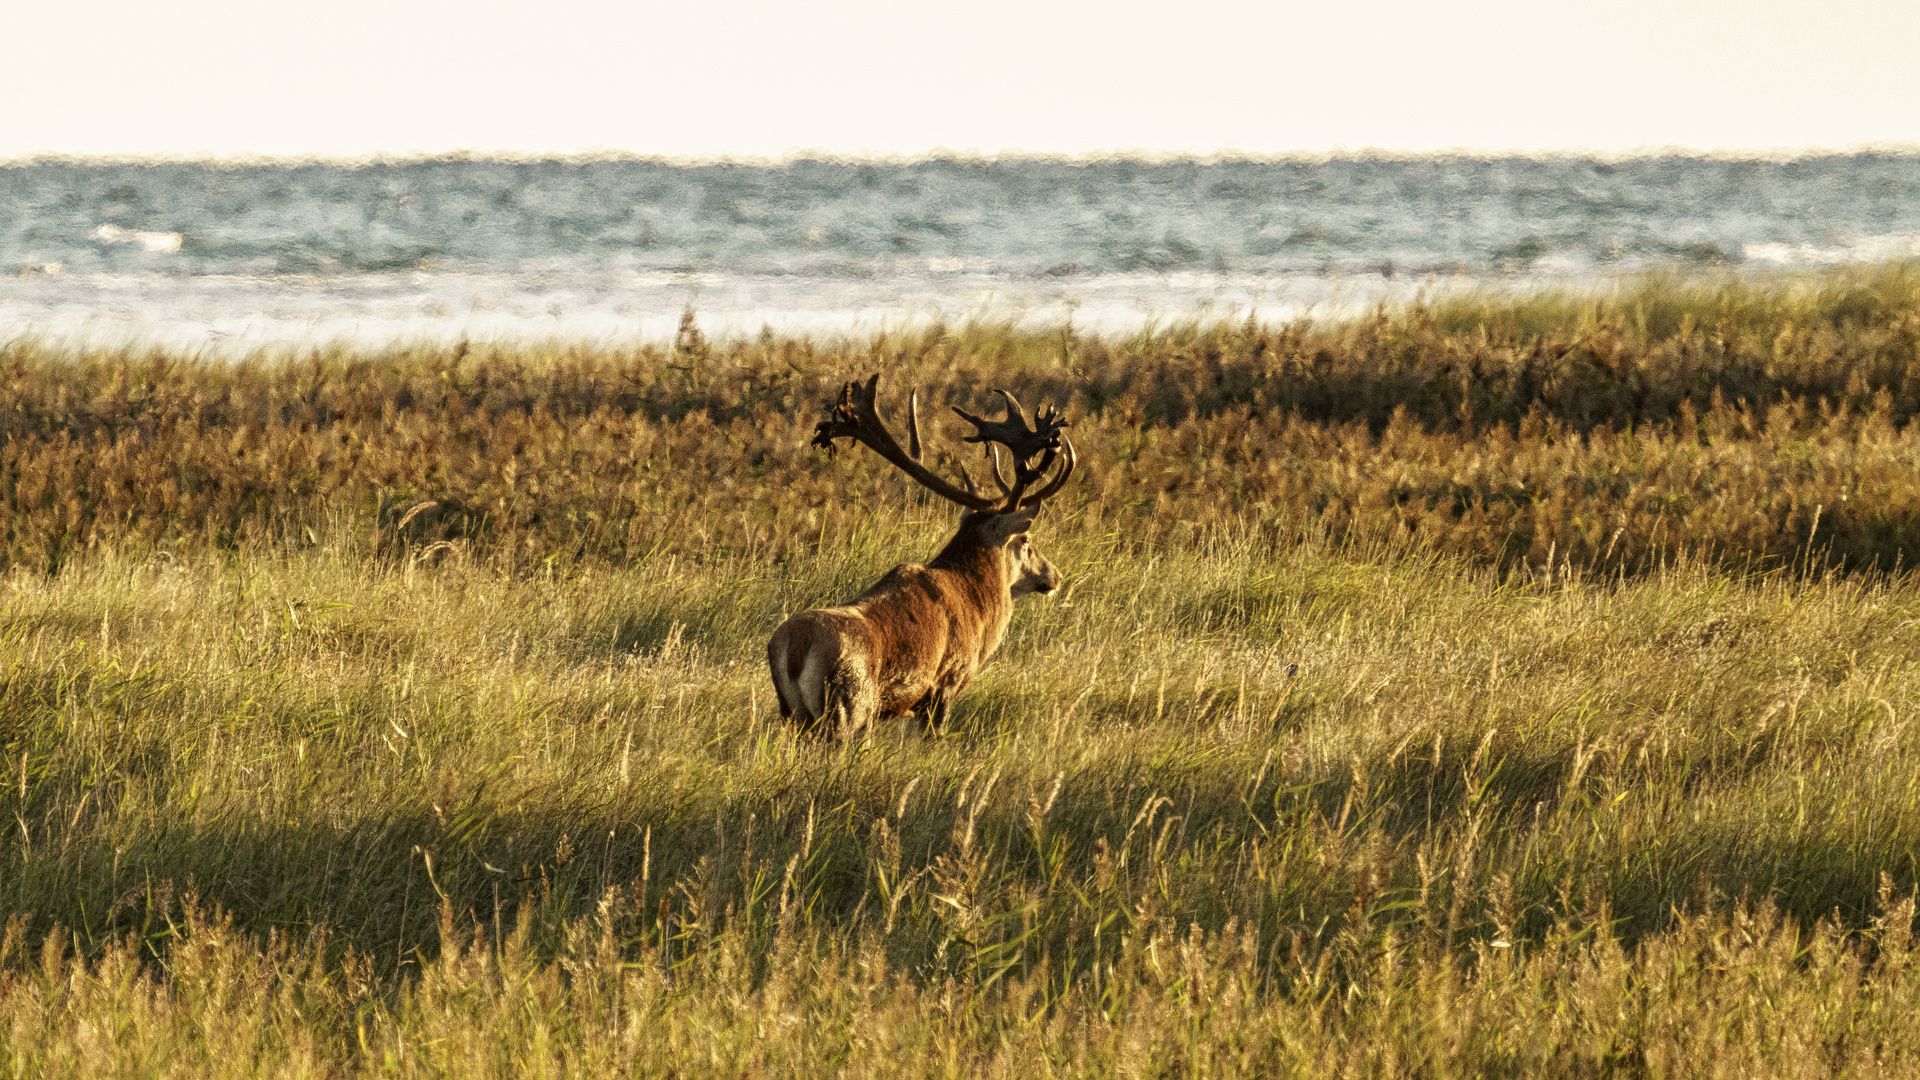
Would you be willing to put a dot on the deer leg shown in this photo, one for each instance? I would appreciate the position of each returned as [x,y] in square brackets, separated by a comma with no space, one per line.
[930,711]
[860,710]
[776,662]
[852,701]
[942,704]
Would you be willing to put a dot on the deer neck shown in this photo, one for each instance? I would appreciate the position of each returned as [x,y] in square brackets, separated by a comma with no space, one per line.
[982,567]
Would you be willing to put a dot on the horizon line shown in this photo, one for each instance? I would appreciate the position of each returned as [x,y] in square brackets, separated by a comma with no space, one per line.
[1887,148]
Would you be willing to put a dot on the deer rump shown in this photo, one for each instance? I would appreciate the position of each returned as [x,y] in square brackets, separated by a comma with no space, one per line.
[912,642]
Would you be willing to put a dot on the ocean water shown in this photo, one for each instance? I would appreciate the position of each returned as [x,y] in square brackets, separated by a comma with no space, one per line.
[220,257]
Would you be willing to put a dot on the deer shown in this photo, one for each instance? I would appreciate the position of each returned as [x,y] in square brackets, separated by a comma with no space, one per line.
[912,642]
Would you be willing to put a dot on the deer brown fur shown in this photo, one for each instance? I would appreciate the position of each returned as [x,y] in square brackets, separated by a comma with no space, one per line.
[912,642]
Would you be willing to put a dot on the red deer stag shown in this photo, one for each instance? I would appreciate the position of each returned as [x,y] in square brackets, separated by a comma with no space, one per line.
[910,644]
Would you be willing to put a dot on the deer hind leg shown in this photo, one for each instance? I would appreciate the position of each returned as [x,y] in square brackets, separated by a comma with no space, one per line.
[799,675]
[831,693]
[851,700]
[822,683]
[784,690]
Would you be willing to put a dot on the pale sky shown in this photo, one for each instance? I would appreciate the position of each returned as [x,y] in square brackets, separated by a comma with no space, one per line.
[764,79]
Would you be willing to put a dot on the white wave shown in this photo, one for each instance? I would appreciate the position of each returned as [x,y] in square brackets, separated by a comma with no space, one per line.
[162,242]
[231,314]
[1859,249]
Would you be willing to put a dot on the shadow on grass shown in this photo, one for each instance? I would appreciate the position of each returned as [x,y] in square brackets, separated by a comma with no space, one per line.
[1200,834]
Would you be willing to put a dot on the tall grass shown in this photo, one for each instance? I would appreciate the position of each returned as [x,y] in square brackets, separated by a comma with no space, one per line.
[1262,791]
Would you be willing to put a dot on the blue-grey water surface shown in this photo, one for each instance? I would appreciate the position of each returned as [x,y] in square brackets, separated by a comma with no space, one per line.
[211,255]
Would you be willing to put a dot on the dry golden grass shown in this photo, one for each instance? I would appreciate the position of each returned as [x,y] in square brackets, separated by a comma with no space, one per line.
[1267,790]
[1739,425]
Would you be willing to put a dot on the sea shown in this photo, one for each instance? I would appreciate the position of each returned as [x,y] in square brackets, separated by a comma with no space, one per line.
[227,257]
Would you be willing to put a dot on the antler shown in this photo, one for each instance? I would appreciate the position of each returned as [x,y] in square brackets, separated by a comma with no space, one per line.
[855,417]
[1045,437]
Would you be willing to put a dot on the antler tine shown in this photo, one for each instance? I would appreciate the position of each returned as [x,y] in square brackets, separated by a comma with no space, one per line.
[856,417]
[1014,433]
[1058,481]
[1050,419]
[913,427]
[1024,476]
[993,455]
[1016,412]
[1042,439]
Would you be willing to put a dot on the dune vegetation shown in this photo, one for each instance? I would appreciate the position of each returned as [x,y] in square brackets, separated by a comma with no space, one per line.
[1488,688]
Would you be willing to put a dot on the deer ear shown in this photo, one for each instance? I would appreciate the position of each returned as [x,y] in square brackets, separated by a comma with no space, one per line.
[1000,528]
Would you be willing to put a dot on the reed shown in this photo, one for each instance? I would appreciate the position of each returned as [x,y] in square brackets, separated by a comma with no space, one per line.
[1742,424]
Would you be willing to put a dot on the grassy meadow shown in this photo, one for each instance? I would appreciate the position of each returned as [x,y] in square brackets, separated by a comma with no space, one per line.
[1488,688]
